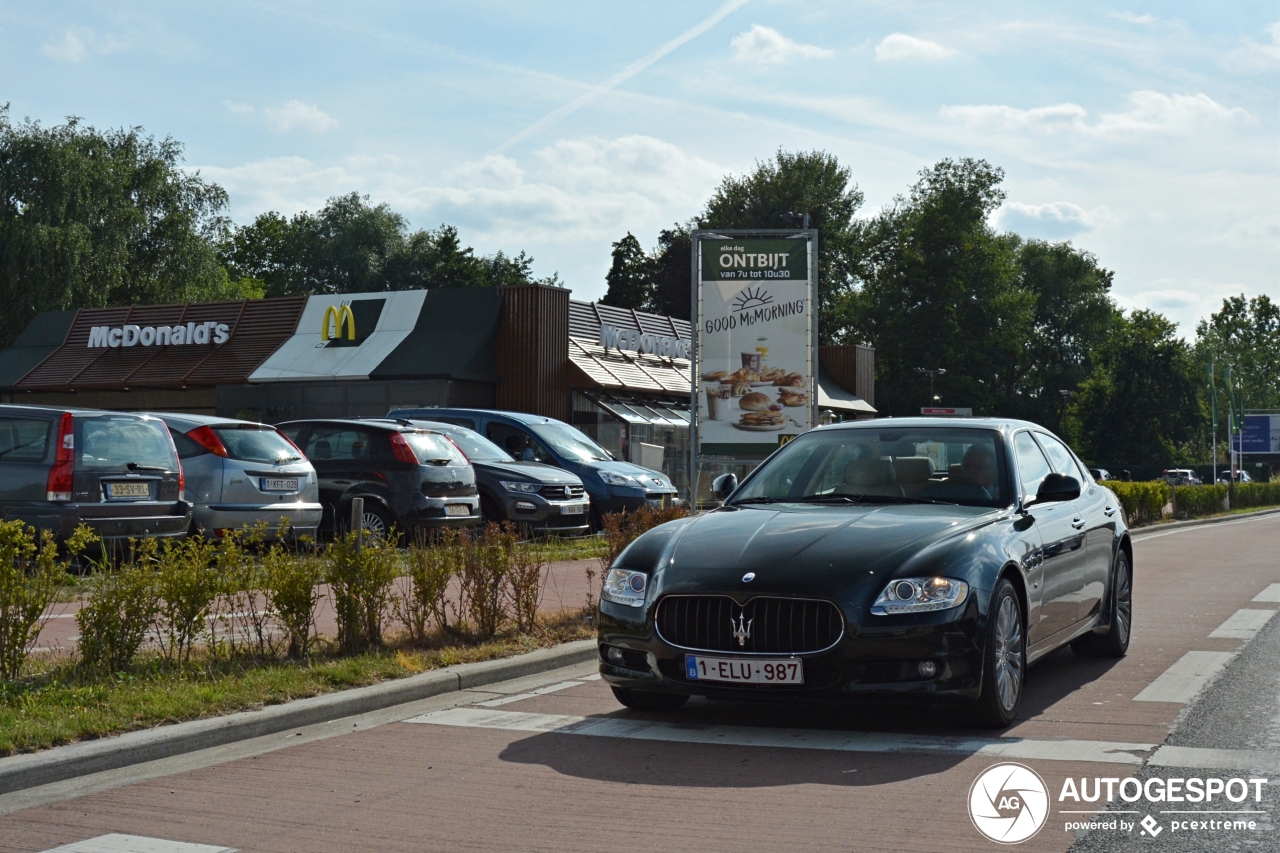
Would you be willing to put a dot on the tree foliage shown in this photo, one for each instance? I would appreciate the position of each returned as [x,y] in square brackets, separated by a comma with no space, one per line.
[1245,336]
[351,246]
[93,218]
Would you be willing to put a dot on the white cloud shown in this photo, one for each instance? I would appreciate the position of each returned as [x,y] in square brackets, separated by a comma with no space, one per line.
[899,46]
[1258,56]
[1057,220]
[76,45]
[1149,112]
[1132,18]
[767,46]
[237,108]
[299,114]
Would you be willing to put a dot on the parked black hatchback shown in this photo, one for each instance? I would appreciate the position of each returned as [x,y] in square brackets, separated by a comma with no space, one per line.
[117,473]
[410,478]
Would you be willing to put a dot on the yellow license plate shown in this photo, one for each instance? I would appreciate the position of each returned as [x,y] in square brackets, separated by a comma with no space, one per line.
[116,491]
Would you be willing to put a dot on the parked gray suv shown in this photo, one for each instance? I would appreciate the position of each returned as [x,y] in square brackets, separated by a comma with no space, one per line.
[117,473]
[240,474]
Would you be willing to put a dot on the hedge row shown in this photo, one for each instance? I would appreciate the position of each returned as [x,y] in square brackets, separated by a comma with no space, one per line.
[1255,494]
[1144,502]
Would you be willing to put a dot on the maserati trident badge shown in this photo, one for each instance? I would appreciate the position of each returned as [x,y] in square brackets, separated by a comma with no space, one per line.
[742,630]
[748,577]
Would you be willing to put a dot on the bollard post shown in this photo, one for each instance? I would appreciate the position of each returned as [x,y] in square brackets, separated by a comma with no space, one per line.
[357,521]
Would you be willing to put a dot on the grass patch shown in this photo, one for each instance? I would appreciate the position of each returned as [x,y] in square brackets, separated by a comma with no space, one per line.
[58,702]
[556,549]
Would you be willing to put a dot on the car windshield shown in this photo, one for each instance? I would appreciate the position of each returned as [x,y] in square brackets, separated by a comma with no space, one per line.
[256,444]
[111,443]
[931,464]
[476,446]
[567,441]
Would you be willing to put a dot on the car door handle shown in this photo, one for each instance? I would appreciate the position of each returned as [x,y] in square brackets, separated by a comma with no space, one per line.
[1109,511]
[1077,522]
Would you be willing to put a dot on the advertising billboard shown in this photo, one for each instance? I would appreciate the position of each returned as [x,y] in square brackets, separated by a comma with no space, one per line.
[754,372]
[1261,434]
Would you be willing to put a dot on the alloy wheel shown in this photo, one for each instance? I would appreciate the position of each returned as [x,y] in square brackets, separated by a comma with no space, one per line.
[375,525]
[1124,603]
[1008,653]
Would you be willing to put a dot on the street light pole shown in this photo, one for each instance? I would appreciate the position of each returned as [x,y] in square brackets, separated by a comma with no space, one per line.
[1213,409]
[931,373]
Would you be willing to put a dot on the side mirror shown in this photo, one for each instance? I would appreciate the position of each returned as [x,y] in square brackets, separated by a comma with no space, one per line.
[1057,487]
[724,485]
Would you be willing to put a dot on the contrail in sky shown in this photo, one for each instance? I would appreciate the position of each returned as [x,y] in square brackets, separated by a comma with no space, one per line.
[622,76]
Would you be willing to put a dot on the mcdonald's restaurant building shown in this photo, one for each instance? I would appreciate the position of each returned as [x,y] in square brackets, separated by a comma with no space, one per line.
[620,376]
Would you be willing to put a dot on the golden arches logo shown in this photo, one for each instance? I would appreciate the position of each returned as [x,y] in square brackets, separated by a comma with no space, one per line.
[338,315]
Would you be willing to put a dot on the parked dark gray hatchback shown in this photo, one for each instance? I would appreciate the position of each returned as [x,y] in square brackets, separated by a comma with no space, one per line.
[117,473]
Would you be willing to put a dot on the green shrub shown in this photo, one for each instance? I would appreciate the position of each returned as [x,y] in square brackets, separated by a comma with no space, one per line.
[187,586]
[423,593]
[291,586]
[123,605]
[525,584]
[1246,495]
[486,561]
[1193,501]
[30,578]
[360,579]
[247,623]
[1142,502]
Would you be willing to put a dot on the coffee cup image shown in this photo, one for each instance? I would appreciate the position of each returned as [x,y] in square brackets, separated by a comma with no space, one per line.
[718,401]
[752,361]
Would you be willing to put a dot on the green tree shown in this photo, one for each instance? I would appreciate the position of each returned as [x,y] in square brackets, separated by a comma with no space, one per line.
[93,218]
[351,246]
[630,275]
[1245,336]
[1141,403]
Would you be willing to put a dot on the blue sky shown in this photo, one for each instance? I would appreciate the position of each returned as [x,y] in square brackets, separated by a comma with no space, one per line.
[1145,134]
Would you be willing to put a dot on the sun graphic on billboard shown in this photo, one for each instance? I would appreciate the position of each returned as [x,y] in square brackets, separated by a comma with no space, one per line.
[751,297]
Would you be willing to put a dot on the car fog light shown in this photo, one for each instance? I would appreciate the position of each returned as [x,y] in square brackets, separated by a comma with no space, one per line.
[615,655]
[525,506]
[928,668]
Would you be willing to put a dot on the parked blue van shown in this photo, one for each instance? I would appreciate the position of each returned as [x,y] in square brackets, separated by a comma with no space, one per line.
[613,486]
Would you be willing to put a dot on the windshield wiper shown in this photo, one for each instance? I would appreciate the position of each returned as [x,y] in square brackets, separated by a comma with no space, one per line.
[746,501]
[134,466]
[895,499]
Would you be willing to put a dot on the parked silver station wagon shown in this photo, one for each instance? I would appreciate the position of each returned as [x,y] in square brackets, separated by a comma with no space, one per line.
[239,474]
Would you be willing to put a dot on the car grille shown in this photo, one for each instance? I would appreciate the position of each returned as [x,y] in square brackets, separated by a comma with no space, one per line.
[715,623]
[562,493]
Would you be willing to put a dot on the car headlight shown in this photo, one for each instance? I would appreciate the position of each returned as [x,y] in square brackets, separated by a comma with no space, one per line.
[529,488]
[623,586]
[920,595]
[612,479]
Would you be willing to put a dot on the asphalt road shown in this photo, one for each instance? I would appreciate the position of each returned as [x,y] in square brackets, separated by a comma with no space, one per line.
[553,763]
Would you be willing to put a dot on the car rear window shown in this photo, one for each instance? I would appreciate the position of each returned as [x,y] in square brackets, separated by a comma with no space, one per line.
[429,446]
[110,443]
[256,444]
[24,439]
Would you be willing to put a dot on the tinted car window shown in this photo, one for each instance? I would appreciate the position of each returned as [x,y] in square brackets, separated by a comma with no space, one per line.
[111,443]
[428,448]
[1059,457]
[24,439]
[1032,466]
[337,443]
[476,446]
[516,441]
[255,444]
[186,447]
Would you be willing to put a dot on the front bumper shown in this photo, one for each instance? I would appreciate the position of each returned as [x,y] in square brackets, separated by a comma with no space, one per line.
[873,661]
[627,500]
[542,514]
[303,518]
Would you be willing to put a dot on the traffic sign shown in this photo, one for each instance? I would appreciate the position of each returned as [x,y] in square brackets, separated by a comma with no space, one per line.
[954,413]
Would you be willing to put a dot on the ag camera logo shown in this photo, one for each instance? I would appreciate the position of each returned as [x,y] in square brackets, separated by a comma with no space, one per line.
[1008,803]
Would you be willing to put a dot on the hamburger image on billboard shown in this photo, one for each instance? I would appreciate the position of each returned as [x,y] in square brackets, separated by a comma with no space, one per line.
[755,353]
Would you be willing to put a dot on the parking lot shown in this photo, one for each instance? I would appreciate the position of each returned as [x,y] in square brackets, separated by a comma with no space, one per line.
[553,763]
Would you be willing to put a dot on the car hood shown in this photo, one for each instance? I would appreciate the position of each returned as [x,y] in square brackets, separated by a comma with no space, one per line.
[548,474]
[646,476]
[809,551]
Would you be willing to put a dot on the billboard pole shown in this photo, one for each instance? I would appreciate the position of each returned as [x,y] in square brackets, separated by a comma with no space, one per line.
[694,426]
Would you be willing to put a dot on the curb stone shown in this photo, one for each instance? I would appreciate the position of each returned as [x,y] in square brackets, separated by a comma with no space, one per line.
[30,770]
[1135,532]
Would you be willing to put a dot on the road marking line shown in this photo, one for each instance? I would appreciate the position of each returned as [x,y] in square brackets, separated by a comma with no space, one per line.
[1182,681]
[1243,624]
[516,697]
[116,843]
[1138,537]
[621,727]
[1271,593]
[1265,760]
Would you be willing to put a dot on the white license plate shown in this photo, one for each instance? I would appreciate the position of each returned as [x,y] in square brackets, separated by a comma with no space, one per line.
[457,509]
[280,485]
[128,490]
[573,509]
[737,670]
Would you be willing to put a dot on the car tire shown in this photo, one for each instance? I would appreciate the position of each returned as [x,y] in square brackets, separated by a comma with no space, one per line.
[1004,663]
[647,700]
[490,512]
[1114,643]
[377,522]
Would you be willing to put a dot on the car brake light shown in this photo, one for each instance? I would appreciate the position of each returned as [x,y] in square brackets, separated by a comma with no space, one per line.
[208,439]
[62,475]
[402,450]
[182,477]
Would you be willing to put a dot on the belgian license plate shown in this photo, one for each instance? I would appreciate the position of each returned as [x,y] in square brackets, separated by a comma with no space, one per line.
[279,485]
[572,509]
[699,668]
[118,491]
[457,509]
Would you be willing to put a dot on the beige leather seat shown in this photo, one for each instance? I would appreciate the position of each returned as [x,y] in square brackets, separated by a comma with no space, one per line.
[869,477]
[912,473]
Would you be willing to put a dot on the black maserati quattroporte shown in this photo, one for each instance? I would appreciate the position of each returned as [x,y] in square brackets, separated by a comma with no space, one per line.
[885,560]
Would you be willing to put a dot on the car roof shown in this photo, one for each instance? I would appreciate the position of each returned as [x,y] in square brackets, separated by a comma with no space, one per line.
[204,420]
[389,424]
[1001,424]
[522,417]
[19,408]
